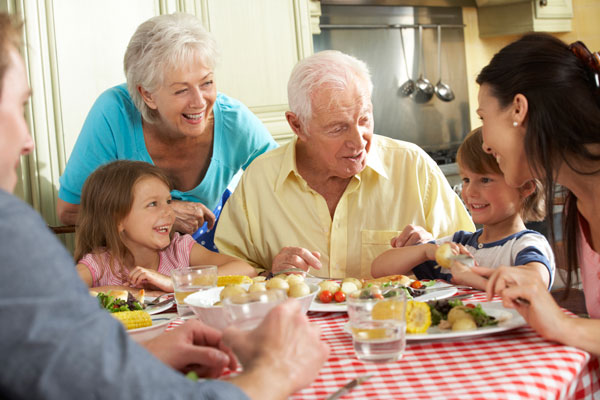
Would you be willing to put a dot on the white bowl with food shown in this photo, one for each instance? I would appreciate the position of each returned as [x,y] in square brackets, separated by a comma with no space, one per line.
[207,306]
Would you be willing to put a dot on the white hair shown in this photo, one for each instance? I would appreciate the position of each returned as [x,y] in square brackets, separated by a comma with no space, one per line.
[161,44]
[330,68]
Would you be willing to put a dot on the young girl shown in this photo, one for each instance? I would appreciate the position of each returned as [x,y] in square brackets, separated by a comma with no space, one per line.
[503,240]
[125,237]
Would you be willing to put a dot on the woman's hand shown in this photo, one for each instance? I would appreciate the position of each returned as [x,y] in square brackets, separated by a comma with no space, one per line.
[296,257]
[525,291]
[193,346]
[285,351]
[411,235]
[190,216]
[140,276]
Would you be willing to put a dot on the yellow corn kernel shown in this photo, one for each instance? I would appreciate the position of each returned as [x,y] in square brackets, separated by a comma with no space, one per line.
[418,317]
[133,319]
[233,280]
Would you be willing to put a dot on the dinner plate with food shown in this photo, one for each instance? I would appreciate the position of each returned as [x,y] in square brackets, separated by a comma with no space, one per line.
[332,294]
[157,325]
[452,319]
[122,300]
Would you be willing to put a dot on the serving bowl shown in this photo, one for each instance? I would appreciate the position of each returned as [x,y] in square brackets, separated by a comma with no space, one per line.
[202,303]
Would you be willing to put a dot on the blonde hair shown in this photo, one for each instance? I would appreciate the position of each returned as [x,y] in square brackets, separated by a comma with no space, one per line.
[161,44]
[106,199]
[471,156]
[329,67]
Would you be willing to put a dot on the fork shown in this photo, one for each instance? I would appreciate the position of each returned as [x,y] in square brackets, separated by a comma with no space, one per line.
[289,270]
[157,299]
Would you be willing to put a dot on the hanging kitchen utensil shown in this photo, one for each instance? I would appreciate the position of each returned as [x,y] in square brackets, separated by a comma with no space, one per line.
[424,90]
[408,87]
[442,90]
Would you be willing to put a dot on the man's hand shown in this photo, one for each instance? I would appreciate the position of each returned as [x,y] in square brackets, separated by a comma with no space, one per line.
[285,350]
[296,257]
[193,346]
[411,235]
[190,216]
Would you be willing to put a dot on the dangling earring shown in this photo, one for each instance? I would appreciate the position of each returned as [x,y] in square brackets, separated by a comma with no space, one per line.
[515,124]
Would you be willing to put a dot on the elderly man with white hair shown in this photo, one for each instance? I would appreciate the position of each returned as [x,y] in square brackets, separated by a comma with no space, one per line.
[333,198]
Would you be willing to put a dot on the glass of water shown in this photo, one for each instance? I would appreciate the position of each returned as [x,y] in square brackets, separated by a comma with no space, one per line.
[191,280]
[378,324]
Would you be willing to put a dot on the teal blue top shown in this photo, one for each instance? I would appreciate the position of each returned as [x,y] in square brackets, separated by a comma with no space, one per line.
[113,131]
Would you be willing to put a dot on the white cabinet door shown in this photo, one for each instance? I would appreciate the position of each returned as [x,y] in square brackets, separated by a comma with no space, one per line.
[74,51]
[260,42]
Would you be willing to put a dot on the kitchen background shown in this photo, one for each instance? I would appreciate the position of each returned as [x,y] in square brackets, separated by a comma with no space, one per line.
[74,51]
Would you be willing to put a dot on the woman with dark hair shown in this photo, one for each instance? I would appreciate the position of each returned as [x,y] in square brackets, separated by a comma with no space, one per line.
[539,101]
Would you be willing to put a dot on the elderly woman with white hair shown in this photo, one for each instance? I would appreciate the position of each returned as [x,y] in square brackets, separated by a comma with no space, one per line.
[333,198]
[169,114]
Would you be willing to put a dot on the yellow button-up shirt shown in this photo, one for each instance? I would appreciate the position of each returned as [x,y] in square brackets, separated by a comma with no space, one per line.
[273,207]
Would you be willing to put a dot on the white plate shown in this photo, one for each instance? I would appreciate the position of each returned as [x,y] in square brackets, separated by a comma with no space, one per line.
[155,310]
[159,324]
[316,305]
[513,320]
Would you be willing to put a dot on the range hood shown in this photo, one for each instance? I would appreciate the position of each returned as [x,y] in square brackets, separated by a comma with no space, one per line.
[372,33]
[405,3]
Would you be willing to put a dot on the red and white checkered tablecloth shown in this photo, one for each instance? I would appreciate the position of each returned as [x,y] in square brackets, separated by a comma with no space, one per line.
[517,364]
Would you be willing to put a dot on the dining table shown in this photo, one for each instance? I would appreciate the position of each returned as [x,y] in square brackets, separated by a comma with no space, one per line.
[512,364]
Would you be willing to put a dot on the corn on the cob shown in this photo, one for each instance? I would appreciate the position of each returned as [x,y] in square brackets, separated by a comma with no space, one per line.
[133,319]
[233,280]
[418,317]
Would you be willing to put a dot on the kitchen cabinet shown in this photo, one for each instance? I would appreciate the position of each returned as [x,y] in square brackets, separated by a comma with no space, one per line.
[509,17]
[74,51]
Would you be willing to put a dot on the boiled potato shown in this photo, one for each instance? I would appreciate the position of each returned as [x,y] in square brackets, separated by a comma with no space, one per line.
[299,290]
[257,287]
[293,279]
[278,283]
[349,287]
[464,324]
[332,286]
[357,282]
[457,313]
[231,290]
[281,276]
[442,253]
[259,279]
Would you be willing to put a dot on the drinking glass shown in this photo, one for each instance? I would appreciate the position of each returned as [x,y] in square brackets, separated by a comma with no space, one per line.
[191,280]
[378,325]
[247,310]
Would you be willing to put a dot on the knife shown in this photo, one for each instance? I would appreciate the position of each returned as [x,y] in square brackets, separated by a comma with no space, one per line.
[348,387]
[459,297]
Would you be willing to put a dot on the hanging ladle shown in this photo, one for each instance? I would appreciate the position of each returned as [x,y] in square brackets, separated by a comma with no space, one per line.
[408,87]
[442,90]
[425,89]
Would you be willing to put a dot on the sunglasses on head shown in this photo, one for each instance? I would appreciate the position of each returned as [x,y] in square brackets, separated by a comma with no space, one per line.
[591,61]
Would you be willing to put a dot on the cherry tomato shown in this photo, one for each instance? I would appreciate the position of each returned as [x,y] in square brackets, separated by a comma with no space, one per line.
[470,305]
[325,296]
[416,284]
[378,296]
[340,296]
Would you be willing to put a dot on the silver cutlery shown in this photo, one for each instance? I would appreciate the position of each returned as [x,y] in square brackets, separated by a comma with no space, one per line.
[157,300]
[299,270]
[348,387]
